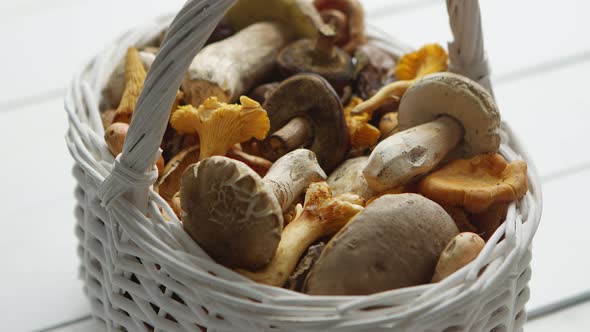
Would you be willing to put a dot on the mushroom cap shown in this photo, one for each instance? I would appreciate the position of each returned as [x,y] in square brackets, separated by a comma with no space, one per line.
[394,242]
[230,212]
[476,183]
[302,57]
[460,98]
[310,96]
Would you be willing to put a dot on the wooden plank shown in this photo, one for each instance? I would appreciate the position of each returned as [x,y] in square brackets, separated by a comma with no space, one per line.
[50,46]
[560,266]
[550,116]
[572,319]
[39,260]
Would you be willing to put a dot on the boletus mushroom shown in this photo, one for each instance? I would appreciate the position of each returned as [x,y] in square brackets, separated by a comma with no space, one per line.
[394,242]
[305,111]
[234,214]
[233,66]
[462,249]
[318,56]
[322,215]
[438,114]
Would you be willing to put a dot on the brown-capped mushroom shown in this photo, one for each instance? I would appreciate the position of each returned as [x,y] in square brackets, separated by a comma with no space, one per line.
[234,214]
[221,125]
[306,112]
[477,183]
[320,57]
[233,66]
[374,69]
[262,92]
[438,114]
[462,249]
[322,216]
[348,178]
[394,242]
[354,21]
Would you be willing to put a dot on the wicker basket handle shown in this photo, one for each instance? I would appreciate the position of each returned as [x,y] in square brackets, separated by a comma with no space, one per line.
[466,53]
[134,172]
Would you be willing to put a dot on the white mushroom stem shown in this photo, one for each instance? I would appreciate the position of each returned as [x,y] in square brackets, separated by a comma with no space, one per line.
[291,174]
[229,68]
[400,158]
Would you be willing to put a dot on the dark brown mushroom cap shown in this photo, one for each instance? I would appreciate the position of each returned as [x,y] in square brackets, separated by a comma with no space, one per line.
[230,212]
[394,242]
[302,57]
[311,97]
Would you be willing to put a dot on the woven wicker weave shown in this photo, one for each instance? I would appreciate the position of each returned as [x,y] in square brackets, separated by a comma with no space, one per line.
[144,274]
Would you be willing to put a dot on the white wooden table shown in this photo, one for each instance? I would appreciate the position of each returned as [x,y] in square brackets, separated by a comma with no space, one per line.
[540,54]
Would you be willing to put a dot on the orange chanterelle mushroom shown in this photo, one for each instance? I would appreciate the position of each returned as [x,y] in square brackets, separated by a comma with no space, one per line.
[476,183]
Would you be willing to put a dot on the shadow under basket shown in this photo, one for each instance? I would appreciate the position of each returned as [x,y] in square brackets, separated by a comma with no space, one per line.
[142,272]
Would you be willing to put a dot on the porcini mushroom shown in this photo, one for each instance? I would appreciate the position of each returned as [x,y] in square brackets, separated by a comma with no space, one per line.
[477,183]
[231,67]
[462,249]
[236,216]
[429,59]
[306,112]
[221,125]
[348,178]
[438,114]
[394,242]
[322,216]
[320,57]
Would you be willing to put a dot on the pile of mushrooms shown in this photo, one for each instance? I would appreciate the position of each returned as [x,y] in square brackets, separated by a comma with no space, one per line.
[299,152]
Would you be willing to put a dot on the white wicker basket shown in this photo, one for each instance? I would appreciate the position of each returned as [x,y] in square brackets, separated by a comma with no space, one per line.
[144,273]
